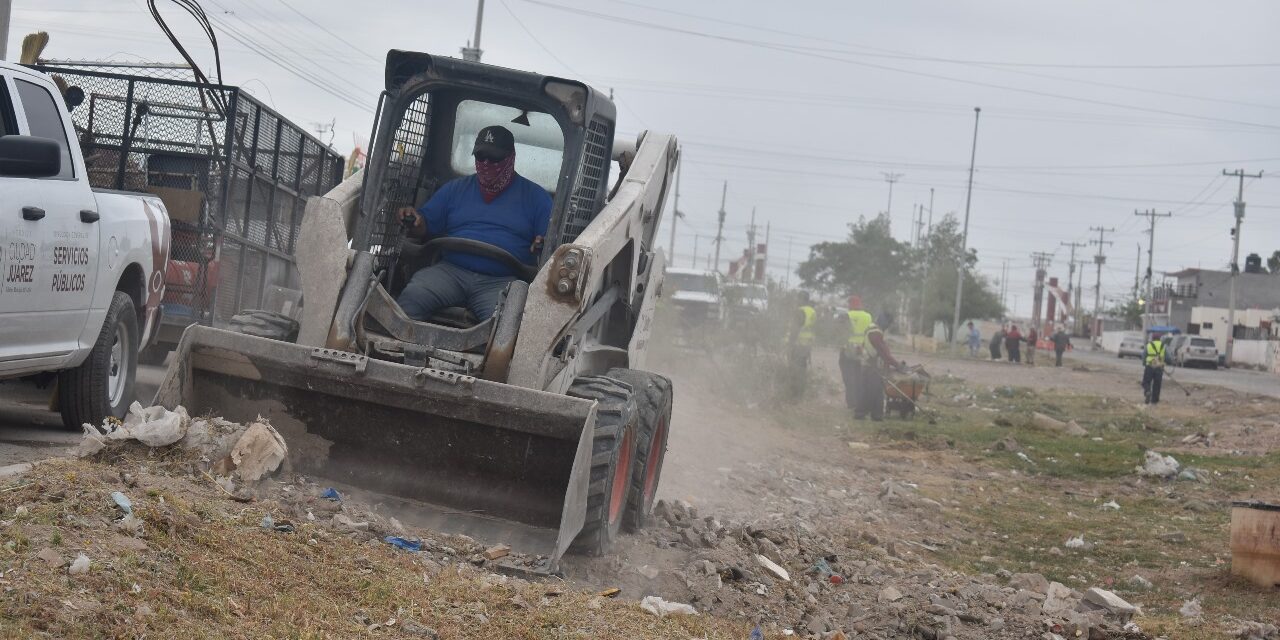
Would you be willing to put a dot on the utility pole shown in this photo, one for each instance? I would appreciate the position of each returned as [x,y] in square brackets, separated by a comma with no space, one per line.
[964,239]
[6,9]
[720,225]
[1136,270]
[1151,215]
[1071,282]
[676,214]
[924,280]
[786,283]
[1099,259]
[472,51]
[751,250]
[765,271]
[890,178]
[695,251]
[1041,260]
[1235,257]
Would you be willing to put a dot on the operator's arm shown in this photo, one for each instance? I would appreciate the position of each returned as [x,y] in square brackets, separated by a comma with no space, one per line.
[432,216]
[541,212]
[876,337]
[797,323]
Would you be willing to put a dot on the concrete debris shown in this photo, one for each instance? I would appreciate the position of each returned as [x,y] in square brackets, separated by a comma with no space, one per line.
[258,452]
[129,525]
[1031,582]
[51,558]
[1048,423]
[889,594]
[1059,599]
[1191,608]
[661,608]
[79,566]
[1079,543]
[342,521]
[14,470]
[497,551]
[1256,631]
[122,501]
[1109,601]
[1155,465]
[1201,438]
[1140,583]
[773,568]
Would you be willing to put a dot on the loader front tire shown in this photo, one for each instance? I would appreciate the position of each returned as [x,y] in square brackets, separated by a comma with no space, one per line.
[612,461]
[653,402]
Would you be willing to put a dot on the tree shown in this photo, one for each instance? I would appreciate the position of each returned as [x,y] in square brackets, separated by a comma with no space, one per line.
[1273,262]
[1130,310]
[870,263]
[942,253]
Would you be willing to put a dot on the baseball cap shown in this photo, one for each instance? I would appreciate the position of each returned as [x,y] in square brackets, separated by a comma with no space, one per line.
[494,142]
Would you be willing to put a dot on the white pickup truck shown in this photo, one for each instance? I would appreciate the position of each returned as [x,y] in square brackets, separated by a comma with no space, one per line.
[81,270]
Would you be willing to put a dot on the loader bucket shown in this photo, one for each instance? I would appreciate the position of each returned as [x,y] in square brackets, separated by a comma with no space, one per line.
[450,452]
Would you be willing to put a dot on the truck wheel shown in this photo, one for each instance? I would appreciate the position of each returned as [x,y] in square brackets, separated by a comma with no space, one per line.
[653,401]
[265,324]
[612,459]
[102,386]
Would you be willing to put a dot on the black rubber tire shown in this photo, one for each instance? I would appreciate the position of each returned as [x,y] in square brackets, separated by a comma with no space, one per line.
[654,396]
[84,392]
[154,355]
[265,324]
[613,444]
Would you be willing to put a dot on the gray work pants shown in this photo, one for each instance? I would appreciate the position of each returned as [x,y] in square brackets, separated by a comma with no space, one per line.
[444,285]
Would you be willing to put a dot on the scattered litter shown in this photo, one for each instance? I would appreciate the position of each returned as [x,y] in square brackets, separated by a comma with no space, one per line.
[331,494]
[408,544]
[342,520]
[757,634]
[1140,583]
[1191,608]
[80,565]
[661,608]
[1113,505]
[611,592]
[650,573]
[1078,542]
[1023,457]
[267,522]
[129,525]
[258,452]
[859,446]
[1157,466]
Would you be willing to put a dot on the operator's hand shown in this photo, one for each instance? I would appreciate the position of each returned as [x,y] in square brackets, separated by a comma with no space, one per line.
[413,222]
[536,247]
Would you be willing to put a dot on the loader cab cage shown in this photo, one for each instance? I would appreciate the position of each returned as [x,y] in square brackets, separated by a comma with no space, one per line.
[430,113]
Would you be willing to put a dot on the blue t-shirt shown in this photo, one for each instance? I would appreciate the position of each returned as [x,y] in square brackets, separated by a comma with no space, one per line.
[520,213]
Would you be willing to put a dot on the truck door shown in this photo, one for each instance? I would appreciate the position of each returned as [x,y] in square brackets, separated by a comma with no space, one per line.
[50,232]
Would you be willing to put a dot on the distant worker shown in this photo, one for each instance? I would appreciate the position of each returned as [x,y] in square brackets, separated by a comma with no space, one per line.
[1033,337]
[860,361]
[496,206]
[800,344]
[1060,343]
[1012,343]
[997,339]
[975,341]
[1153,369]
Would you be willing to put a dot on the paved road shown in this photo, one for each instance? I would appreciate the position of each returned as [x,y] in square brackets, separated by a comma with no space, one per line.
[29,431]
[1241,380]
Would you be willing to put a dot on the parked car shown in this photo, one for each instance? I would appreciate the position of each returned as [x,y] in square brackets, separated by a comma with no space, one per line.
[83,269]
[695,293]
[1173,344]
[1131,346]
[1197,350]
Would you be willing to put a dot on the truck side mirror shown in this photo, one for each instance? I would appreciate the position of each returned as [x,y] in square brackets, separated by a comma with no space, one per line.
[29,157]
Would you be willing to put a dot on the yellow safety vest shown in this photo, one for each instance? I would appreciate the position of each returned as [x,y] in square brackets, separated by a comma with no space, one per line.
[860,324]
[805,337]
[1155,354]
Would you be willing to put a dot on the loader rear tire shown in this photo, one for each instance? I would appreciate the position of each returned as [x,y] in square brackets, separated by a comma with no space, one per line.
[612,461]
[653,394]
[265,324]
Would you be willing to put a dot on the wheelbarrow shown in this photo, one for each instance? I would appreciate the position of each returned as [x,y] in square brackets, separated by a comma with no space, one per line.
[902,390]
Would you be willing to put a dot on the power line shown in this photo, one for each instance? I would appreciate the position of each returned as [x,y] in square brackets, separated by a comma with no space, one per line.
[324,29]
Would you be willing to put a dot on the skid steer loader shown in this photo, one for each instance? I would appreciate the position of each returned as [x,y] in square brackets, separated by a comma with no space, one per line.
[536,427]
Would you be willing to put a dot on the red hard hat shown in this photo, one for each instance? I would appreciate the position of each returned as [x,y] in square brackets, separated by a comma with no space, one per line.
[855,302]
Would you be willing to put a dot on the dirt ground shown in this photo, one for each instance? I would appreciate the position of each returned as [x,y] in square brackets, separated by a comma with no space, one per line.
[968,521]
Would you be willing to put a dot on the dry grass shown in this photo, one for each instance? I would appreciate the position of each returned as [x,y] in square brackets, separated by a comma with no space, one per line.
[208,570]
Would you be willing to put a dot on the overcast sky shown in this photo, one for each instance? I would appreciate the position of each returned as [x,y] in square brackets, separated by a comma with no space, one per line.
[1090,109]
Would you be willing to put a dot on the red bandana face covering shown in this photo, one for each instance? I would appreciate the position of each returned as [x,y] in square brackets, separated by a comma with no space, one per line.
[495,177]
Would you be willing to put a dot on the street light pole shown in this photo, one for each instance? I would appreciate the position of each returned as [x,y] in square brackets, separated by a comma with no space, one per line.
[6,8]
[472,51]
[964,238]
